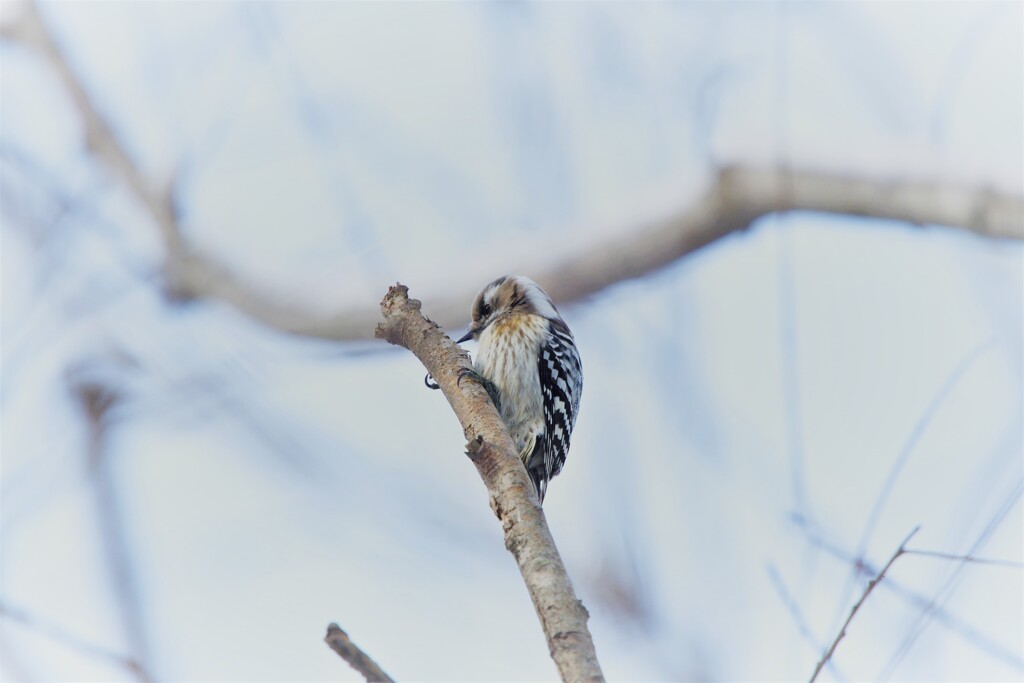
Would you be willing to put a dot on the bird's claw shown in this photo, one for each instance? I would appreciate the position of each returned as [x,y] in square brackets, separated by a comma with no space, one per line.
[467,372]
[487,384]
[463,373]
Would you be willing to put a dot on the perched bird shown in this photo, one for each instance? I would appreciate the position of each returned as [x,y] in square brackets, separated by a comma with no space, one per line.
[529,364]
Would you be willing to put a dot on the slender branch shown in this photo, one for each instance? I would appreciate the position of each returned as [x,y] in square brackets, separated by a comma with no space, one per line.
[966,558]
[935,604]
[356,658]
[30,29]
[793,607]
[736,196]
[96,401]
[919,429]
[527,537]
[73,641]
[853,612]
[916,599]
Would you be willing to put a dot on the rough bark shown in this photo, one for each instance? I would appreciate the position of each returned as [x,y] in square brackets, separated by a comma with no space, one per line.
[527,537]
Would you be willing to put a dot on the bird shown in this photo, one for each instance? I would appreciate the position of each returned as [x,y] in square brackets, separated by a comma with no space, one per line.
[529,364]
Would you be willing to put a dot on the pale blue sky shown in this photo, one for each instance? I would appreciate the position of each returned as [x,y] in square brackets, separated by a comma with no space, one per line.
[269,485]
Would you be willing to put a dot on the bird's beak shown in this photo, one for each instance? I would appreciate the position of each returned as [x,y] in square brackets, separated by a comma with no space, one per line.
[468,335]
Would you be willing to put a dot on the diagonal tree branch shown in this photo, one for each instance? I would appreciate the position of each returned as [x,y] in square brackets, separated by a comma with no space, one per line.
[73,641]
[735,197]
[853,612]
[97,399]
[339,641]
[527,537]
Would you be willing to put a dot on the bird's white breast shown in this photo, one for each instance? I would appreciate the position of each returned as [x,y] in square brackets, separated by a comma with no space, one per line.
[508,357]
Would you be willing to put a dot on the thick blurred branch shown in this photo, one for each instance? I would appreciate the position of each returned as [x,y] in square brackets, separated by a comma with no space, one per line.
[28,28]
[736,196]
[513,500]
[339,641]
[189,273]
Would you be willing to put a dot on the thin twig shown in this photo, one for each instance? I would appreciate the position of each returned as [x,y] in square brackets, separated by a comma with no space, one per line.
[853,612]
[72,641]
[948,620]
[96,401]
[966,558]
[920,427]
[527,537]
[946,590]
[793,607]
[356,658]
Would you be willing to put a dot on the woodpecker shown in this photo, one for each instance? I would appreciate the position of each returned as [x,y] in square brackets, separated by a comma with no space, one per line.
[529,364]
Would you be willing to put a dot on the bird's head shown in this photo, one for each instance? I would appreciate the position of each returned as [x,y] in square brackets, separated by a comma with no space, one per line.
[508,295]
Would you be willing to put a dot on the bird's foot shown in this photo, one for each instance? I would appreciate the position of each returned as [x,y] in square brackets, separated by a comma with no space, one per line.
[488,385]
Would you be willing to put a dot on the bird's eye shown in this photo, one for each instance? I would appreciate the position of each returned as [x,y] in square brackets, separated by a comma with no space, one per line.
[485,310]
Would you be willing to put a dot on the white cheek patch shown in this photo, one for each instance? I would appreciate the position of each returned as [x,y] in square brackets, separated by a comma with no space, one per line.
[537,298]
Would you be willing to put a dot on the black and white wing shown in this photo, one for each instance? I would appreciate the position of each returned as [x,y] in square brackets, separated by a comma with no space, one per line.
[561,384]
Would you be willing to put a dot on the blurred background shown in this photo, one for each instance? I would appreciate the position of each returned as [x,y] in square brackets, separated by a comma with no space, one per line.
[190,493]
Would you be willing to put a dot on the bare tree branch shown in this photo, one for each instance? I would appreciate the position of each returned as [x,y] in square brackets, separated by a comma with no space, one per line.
[356,658]
[736,196]
[932,608]
[966,558]
[924,420]
[853,612]
[795,612]
[73,641]
[29,28]
[96,400]
[914,598]
[527,537]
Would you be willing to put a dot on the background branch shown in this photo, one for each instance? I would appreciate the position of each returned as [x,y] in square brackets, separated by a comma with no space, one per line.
[737,195]
[966,558]
[97,401]
[527,537]
[853,612]
[73,641]
[356,658]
